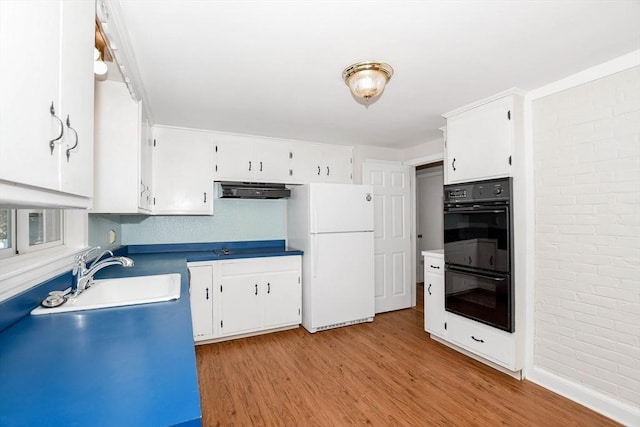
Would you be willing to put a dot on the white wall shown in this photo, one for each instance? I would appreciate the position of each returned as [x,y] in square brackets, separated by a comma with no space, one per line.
[586,143]
[426,149]
[362,153]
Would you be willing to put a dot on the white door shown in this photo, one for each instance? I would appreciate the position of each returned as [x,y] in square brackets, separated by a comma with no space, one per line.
[341,208]
[393,255]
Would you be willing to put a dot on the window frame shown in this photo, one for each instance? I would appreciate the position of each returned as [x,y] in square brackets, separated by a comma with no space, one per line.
[10,251]
[22,237]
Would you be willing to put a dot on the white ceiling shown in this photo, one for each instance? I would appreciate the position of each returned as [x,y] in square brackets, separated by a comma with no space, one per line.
[274,68]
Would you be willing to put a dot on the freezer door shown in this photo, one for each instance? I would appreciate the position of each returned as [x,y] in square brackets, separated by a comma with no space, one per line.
[341,283]
[336,208]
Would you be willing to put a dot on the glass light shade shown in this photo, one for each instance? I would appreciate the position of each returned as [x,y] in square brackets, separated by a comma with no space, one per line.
[367,83]
[100,70]
[367,80]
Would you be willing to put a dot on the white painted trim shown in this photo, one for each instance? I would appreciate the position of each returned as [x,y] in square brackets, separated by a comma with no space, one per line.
[22,272]
[601,403]
[616,65]
[508,92]
[432,158]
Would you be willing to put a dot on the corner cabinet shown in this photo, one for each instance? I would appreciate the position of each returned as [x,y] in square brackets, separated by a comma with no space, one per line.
[182,171]
[242,297]
[481,137]
[46,109]
[123,146]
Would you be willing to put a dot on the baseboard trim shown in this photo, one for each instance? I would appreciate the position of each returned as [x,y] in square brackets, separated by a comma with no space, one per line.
[603,404]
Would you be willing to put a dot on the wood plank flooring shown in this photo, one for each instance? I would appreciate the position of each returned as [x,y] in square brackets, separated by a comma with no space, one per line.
[385,373]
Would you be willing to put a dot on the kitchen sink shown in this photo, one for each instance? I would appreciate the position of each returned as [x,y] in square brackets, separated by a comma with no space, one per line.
[121,292]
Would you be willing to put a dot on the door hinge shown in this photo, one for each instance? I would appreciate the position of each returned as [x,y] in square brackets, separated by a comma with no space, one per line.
[154,142]
[509,115]
[298,312]
[445,326]
[220,288]
[509,160]
[216,148]
[154,201]
[216,168]
[298,279]
[221,323]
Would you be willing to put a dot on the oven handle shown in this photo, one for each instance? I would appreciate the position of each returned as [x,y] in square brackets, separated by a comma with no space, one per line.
[474,209]
[495,277]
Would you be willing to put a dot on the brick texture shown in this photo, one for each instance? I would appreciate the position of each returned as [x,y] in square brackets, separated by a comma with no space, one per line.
[587,238]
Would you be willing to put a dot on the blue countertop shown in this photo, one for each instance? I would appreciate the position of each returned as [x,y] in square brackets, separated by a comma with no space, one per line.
[119,366]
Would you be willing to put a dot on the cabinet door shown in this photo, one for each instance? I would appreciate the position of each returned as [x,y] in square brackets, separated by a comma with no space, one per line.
[29,85]
[306,162]
[336,165]
[434,312]
[234,158]
[479,142]
[182,172]
[145,189]
[241,304]
[201,297]
[282,298]
[272,161]
[76,95]
[117,139]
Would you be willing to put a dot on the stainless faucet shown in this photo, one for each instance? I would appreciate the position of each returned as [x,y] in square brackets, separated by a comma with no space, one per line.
[83,276]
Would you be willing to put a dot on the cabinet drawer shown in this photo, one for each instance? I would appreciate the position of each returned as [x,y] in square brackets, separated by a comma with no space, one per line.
[259,265]
[483,340]
[434,264]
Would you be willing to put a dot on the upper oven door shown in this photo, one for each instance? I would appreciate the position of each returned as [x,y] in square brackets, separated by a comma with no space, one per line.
[477,236]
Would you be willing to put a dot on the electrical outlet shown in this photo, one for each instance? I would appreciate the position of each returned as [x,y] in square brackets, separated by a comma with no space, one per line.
[112,237]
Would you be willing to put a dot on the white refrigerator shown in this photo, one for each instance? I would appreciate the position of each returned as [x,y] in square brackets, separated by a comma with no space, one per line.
[333,225]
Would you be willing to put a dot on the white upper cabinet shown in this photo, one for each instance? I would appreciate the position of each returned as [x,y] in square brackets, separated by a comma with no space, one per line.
[321,163]
[247,158]
[480,139]
[182,171]
[257,159]
[123,146]
[46,52]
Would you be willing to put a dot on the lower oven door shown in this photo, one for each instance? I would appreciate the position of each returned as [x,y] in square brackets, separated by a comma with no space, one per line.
[486,298]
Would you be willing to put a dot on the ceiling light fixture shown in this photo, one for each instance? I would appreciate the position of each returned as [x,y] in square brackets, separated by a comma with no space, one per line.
[367,80]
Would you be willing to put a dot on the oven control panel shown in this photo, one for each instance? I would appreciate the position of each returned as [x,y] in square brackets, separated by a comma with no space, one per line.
[478,191]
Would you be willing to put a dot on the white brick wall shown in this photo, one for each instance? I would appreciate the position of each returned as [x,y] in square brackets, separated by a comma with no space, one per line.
[587,234]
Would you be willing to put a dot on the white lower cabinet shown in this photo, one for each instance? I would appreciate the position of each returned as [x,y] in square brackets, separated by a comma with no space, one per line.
[201,297]
[491,344]
[248,296]
[434,315]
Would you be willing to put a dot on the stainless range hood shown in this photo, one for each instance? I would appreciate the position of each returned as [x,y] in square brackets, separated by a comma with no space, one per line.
[252,190]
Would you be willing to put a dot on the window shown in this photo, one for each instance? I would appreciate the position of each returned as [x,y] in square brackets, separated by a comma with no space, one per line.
[28,230]
[7,233]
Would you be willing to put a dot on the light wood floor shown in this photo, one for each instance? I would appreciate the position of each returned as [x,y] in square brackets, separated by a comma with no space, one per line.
[385,373]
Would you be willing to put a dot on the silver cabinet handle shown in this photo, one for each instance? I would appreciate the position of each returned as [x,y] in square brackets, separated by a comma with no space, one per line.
[76,142]
[429,289]
[268,288]
[453,164]
[52,143]
[205,197]
[318,170]
[207,293]
[249,164]
[256,289]
[260,166]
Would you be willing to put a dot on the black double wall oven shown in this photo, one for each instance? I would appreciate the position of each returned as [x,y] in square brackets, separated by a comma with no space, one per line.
[478,252]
